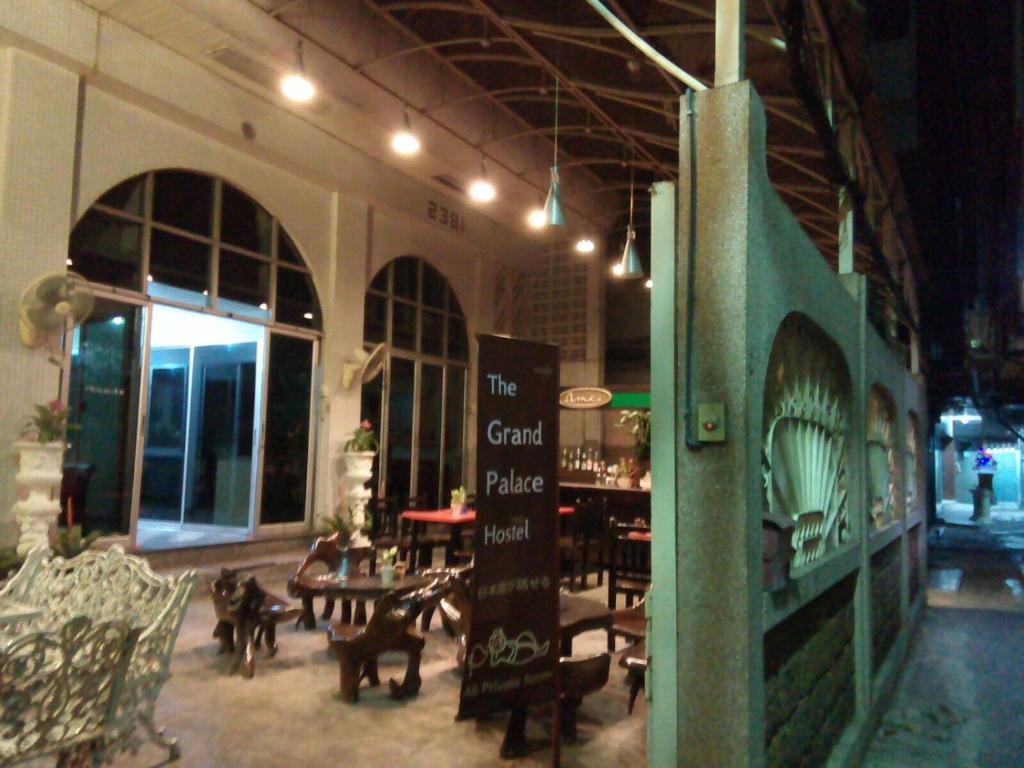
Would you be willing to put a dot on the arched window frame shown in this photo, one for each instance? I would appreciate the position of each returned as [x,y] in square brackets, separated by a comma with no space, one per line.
[131,204]
[382,297]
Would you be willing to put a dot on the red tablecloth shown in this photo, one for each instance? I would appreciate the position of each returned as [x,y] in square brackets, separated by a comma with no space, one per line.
[447,517]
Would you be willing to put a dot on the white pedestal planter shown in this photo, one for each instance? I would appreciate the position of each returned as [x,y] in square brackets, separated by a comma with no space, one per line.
[358,471]
[40,471]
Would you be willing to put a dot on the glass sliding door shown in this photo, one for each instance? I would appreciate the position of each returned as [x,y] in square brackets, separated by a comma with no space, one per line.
[103,399]
[286,440]
[220,455]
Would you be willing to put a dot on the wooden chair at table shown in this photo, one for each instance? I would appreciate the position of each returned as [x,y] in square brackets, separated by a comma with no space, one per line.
[427,539]
[629,561]
[391,628]
[579,676]
[325,550]
[386,527]
[630,623]
[634,661]
[568,549]
[455,611]
[591,538]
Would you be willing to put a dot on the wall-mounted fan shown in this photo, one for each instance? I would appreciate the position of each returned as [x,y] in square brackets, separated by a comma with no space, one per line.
[48,303]
[364,366]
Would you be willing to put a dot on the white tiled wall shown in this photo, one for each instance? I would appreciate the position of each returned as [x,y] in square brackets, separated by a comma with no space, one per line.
[37,148]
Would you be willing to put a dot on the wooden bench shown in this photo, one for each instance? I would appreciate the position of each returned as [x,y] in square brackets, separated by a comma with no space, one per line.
[246,616]
[391,628]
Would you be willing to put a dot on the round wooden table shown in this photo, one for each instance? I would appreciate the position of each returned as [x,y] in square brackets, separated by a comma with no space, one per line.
[359,588]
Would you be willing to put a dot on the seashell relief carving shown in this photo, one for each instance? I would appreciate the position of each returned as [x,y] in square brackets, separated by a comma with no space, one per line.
[806,425]
[881,457]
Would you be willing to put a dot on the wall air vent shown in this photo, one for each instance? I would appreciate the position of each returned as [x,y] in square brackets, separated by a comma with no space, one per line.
[448,181]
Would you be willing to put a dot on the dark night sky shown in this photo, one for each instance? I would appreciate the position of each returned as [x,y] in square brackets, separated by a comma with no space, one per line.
[963,172]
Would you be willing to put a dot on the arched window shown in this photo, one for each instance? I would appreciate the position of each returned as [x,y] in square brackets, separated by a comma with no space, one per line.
[420,402]
[207,323]
[194,239]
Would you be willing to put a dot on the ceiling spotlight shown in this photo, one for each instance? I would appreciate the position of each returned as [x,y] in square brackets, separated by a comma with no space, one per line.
[405,142]
[263,306]
[648,283]
[618,269]
[536,218]
[585,245]
[481,189]
[68,262]
[295,85]
[307,315]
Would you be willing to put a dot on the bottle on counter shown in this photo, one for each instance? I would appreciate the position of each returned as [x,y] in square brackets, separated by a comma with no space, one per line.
[565,458]
[590,460]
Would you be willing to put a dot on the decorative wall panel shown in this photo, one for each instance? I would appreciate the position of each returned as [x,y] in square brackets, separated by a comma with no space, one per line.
[881,466]
[806,410]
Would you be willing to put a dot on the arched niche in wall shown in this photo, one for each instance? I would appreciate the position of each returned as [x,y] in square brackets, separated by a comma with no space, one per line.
[806,421]
[911,455]
[880,423]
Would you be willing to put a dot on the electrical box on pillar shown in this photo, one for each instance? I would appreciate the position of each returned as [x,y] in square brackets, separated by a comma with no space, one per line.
[711,422]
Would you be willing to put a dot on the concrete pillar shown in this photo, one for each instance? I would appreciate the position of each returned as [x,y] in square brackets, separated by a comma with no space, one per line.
[713,509]
[38,107]
[351,236]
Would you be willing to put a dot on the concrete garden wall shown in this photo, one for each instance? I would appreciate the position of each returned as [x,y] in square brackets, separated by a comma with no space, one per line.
[750,663]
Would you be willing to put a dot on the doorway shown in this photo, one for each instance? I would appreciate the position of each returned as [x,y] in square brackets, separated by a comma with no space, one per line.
[200,455]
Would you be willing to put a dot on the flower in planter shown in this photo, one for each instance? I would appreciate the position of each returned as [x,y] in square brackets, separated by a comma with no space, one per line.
[362,440]
[48,422]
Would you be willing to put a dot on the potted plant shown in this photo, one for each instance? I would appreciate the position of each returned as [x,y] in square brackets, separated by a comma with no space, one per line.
[358,453]
[639,423]
[386,564]
[40,468]
[459,500]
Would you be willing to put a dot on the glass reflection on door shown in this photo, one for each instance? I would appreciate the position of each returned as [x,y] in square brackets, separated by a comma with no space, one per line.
[286,442]
[429,458]
[400,411]
[103,398]
[220,443]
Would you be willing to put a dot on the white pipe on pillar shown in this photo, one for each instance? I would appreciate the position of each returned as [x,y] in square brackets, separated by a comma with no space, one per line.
[730,41]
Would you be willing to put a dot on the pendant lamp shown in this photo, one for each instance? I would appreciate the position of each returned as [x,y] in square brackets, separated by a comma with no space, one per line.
[629,265]
[554,216]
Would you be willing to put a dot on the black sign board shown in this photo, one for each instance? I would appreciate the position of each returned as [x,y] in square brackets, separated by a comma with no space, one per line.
[512,648]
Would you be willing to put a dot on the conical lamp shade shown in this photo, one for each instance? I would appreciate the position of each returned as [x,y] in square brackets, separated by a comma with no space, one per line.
[554,216]
[631,266]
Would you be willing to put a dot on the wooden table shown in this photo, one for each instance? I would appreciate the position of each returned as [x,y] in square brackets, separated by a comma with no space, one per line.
[422,517]
[577,615]
[357,587]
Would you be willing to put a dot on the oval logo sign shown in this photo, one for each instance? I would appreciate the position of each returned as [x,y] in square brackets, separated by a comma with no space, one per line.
[579,398]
